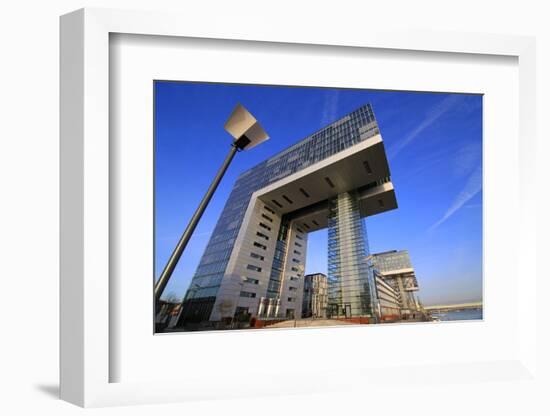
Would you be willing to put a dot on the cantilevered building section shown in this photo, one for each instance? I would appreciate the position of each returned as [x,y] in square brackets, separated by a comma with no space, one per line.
[396,269]
[253,265]
[388,307]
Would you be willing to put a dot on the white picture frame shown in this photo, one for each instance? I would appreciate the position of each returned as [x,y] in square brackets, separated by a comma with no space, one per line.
[86,293]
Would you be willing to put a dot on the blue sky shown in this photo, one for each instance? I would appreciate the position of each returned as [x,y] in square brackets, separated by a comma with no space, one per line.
[434,147]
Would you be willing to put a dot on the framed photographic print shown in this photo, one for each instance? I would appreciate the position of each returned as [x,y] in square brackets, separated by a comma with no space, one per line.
[291,247]
[286,213]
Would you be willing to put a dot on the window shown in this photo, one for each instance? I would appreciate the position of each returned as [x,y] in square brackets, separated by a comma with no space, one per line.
[269,209]
[327,179]
[296,260]
[293,278]
[259,234]
[297,252]
[299,237]
[241,311]
[256,256]
[251,280]
[247,294]
[267,217]
[304,193]
[299,230]
[367,167]
[287,199]
[291,299]
[256,244]
[255,268]
[297,244]
[267,227]
[276,203]
[292,288]
[294,269]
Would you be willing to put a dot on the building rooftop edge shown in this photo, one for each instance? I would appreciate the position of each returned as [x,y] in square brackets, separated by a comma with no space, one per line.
[308,137]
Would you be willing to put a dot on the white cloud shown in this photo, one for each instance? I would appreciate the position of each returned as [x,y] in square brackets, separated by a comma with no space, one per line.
[471,189]
[466,159]
[330,107]
[431,117]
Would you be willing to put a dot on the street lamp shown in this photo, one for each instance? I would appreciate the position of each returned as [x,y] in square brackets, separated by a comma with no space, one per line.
[247,133]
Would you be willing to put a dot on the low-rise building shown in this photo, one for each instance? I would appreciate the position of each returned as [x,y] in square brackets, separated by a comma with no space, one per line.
[389,308]
[396,270]
[315,299]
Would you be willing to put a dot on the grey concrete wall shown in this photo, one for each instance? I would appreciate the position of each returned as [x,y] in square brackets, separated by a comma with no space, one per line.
[228,298]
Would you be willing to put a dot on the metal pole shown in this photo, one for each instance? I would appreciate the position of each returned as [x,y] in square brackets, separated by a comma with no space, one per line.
[161,283]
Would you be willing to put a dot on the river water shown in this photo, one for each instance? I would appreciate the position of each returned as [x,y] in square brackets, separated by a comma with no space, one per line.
[461,315]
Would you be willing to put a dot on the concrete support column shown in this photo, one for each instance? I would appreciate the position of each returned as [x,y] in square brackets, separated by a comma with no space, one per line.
[351,292]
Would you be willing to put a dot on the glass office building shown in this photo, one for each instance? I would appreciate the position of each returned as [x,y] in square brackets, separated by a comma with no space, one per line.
[350,280]
[315,300]
[257,248]
[393,260]
[396,268]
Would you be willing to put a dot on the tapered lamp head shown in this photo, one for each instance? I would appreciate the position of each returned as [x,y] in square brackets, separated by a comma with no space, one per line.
[245,129]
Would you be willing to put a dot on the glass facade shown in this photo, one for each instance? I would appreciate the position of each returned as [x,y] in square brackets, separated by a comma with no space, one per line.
[398,272]
[315,298]
[345,132]
[392,260]
[276,277]
[350,291]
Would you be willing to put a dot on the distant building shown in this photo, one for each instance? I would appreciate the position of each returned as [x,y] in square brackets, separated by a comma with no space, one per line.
[388,304]
[168,310]
[315,301]
[396,270]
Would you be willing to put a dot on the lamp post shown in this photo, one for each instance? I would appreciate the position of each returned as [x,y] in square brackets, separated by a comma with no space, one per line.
[247,133]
